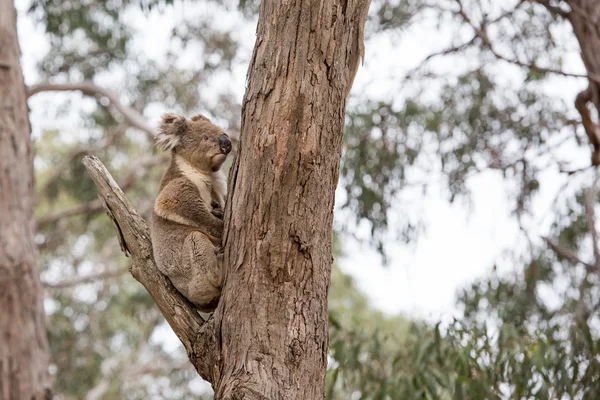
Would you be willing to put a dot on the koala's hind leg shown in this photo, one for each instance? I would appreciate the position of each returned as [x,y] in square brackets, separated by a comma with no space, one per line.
[206,277]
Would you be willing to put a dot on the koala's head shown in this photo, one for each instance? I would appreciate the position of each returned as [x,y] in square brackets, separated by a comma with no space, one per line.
[197,140]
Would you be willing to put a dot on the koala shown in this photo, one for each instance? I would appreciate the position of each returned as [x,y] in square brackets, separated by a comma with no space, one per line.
[187,219]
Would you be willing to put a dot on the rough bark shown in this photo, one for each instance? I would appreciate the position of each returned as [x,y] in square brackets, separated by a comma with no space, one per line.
[24,355]
[272,318]
[585,20]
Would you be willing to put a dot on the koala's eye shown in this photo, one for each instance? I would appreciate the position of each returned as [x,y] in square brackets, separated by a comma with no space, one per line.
[205,137]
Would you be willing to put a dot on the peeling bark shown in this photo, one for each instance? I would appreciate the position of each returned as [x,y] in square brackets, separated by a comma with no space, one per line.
[24,353]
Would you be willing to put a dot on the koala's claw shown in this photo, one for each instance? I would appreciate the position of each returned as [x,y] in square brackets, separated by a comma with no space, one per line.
[216,210]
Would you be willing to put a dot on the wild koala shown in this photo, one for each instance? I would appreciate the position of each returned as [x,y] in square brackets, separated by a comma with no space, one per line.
[187,220]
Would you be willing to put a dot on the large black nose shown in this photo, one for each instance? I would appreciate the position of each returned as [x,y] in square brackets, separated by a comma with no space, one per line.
[224,144]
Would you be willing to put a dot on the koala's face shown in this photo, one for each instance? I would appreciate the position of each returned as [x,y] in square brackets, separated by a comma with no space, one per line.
[198,141]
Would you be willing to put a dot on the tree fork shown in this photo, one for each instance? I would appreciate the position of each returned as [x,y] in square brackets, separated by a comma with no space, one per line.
[269,337]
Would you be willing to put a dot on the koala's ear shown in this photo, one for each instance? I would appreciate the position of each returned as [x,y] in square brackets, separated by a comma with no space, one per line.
[171,128]
[199,117]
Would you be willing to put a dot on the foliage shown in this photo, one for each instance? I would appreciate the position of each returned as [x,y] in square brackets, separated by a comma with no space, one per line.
[509,342]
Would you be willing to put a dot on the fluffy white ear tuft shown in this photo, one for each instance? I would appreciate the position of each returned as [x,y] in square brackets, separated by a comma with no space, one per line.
[172,127]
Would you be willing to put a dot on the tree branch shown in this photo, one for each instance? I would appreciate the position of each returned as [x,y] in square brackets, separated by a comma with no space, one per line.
[197,336]
[481,32]
[565,253]
[133,117]
[449,50]
[591,129]
[91,207]
[95,206]
[56,173]
[84,279]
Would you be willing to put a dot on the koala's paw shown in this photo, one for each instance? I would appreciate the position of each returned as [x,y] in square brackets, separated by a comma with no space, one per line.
[216,210]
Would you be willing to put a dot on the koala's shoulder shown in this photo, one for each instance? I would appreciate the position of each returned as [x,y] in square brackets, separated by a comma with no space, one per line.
[174,200]
[178,190]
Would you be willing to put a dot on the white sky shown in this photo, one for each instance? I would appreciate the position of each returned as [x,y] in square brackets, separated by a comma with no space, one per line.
[459,245]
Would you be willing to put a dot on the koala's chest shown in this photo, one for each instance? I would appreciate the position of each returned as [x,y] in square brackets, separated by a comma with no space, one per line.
[210,192]
[216,197]
[211,187]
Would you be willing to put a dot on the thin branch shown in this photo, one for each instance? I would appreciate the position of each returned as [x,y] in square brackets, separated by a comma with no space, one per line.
[96,206]
[481,32]
[84,279]
[67,160]
[133,117]
[529,241]
[197,336]
[465,45]
[449,50]
[565,253]
[59,169]
[573,171]
[91,207]
[591,129]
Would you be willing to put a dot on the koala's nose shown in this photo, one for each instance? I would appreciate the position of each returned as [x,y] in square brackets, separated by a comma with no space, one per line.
[224,144]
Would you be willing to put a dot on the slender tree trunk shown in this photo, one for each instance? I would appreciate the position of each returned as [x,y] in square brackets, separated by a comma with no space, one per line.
[24,356]
[272,319]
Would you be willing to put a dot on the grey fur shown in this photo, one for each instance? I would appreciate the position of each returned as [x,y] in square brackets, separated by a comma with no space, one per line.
[187,220]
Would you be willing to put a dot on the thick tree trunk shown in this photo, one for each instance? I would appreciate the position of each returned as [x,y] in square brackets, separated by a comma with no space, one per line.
[585,20]
[272,319]
[24,356]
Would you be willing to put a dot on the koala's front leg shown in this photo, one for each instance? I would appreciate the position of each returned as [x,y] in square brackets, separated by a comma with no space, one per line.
[217,212]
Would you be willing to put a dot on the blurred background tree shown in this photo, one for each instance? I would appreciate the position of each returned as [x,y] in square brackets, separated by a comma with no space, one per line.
[487,102]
